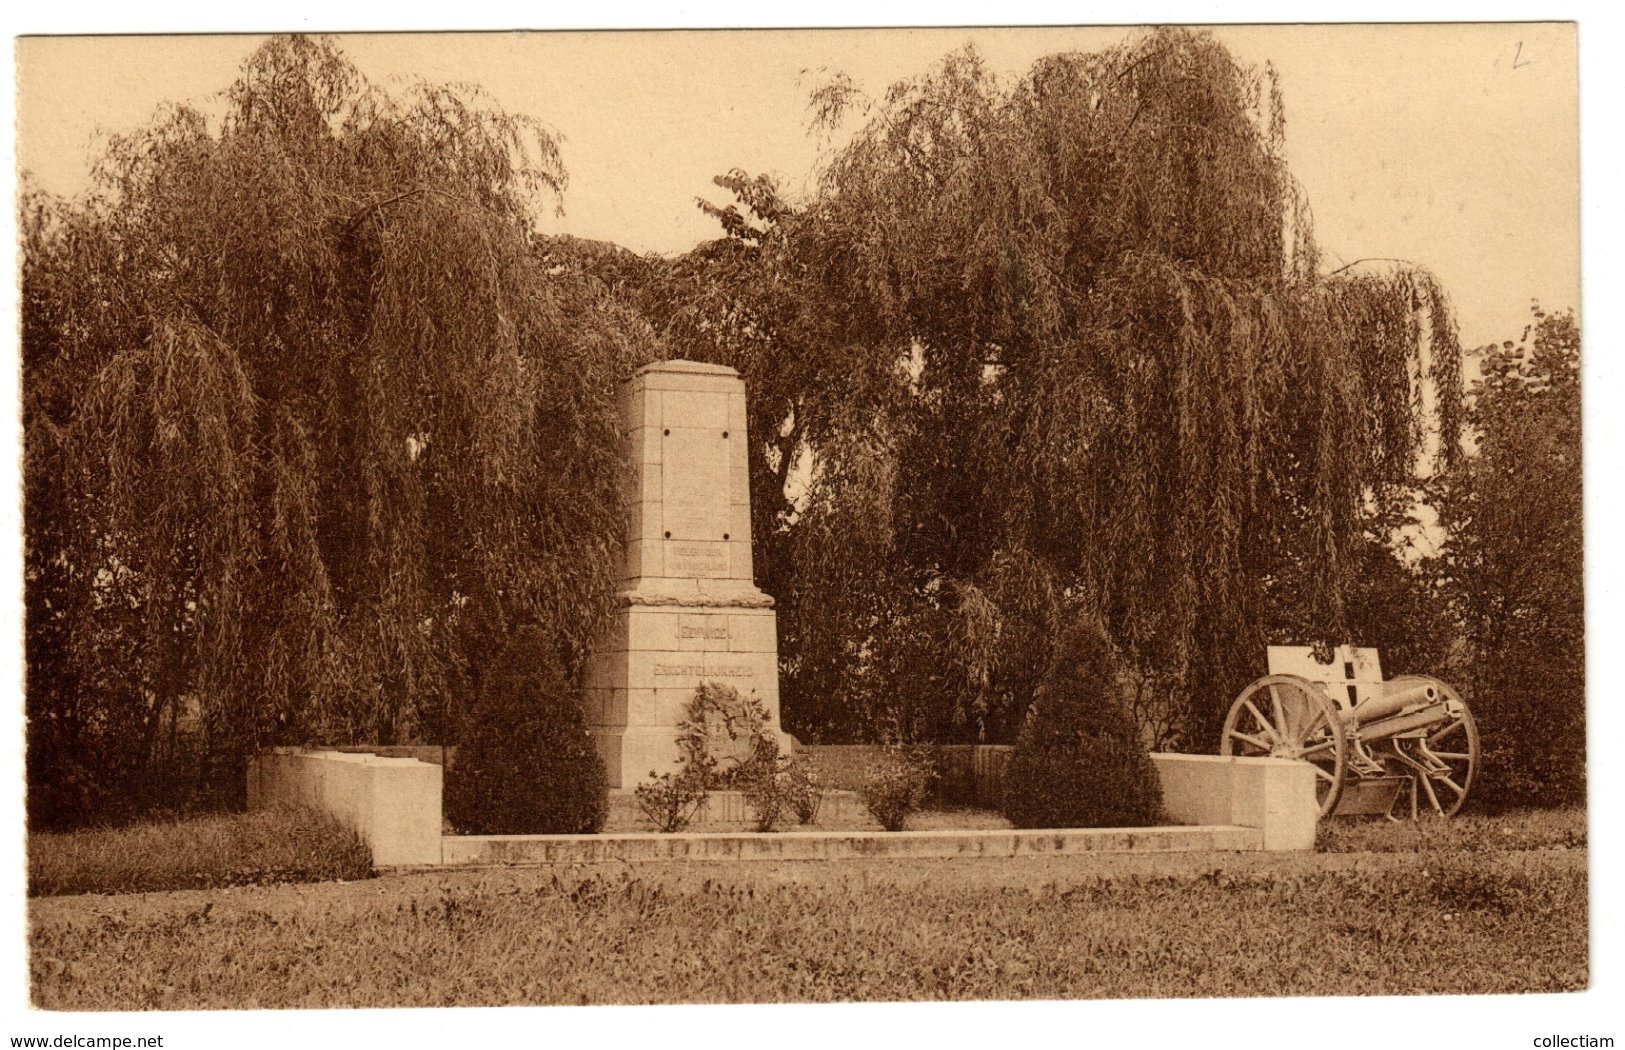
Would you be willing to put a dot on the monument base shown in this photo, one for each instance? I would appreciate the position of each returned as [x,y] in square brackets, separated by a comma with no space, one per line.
[640,684]
[636,754]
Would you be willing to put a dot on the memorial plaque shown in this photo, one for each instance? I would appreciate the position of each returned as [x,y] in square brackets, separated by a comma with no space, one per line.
[717,632]
[694,487]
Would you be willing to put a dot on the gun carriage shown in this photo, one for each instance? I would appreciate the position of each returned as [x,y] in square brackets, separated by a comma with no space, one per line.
[1374,744]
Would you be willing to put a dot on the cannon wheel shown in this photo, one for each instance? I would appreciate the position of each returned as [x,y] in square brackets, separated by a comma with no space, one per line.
[1448,754]
[1284,716]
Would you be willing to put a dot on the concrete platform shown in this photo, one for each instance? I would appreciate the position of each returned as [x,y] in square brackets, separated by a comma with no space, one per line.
[394,804]
[727,811]
[469,850]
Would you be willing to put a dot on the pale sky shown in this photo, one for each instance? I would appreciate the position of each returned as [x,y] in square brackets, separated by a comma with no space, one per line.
[1454,147]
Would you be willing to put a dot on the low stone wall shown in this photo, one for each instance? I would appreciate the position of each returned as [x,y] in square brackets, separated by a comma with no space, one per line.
[728,811]
[434,754]
[395,805]
[392,803]
[1276,795]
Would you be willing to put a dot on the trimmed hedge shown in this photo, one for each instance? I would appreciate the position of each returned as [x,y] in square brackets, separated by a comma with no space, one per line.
[526,765]
[1078,762]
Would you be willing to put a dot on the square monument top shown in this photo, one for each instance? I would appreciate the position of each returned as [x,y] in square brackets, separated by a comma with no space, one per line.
[688,493]
[689,368]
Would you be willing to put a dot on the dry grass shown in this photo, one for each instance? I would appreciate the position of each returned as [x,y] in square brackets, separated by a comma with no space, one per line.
[1527,829]
[1052,928]
[277,845]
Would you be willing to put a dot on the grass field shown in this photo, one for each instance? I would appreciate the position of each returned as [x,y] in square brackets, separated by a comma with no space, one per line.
[1467,833]
[231,849]
[1454,916]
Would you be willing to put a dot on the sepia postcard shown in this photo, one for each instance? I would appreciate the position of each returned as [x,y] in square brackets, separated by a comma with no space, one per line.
[777,522]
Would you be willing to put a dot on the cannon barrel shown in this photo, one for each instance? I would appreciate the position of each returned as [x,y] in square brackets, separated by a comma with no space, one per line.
[1375,707]
[1421,718]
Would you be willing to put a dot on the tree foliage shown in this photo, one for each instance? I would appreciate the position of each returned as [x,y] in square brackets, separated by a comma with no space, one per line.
[1514,564]
[308,422]
[1050,347]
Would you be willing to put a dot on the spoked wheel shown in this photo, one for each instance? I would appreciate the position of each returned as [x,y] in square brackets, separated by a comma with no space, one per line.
[1443,759]
[1284,716]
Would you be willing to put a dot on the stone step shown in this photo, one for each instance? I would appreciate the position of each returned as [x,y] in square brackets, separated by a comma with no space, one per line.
[728,811]
[475,850]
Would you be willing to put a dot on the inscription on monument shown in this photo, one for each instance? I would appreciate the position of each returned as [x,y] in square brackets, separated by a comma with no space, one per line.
[717,633]
[696,559]
[702,671]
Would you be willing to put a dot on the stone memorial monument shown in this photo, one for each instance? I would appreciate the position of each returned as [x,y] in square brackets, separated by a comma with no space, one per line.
[689,610]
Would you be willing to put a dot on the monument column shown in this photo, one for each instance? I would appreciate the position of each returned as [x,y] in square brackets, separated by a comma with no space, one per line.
[688,608]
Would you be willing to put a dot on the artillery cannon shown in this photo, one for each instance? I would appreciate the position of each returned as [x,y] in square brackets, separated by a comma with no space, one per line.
[1369,740]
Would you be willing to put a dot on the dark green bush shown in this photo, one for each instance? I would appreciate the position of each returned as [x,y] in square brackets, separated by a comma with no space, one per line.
[1078,762]
[526,765]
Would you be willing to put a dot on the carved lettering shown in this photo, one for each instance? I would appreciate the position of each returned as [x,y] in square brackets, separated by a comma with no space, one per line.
[702,671]
[718,633]
[689,559]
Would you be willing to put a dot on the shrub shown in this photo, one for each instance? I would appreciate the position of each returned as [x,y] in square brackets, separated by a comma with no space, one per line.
[766,794]
[806,795]
[776,784]
[895,785]
[283,844]
[1078,761]
[670,800]
[526,764]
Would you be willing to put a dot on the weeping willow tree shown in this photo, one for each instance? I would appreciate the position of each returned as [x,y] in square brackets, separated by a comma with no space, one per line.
[1059,346]
[308,428]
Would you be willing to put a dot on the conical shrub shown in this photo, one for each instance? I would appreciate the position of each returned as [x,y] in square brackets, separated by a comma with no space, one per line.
[1078,762]
[525,765]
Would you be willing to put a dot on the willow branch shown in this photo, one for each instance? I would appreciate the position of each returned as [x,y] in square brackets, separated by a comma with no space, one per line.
[1374,258]
[355,220]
